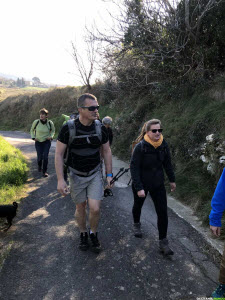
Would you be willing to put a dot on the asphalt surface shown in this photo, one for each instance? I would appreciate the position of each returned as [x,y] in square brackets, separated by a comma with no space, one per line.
[44,261]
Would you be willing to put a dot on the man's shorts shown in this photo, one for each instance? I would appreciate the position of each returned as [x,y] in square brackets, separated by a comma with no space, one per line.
[82,188]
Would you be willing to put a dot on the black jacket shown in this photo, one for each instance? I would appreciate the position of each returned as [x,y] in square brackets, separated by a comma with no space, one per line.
[147,164]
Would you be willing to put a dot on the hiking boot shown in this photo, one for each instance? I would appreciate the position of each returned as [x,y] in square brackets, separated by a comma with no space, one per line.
[137,230]
[45,174]
[83,245]
[164,247]
[219,292]
[95,245]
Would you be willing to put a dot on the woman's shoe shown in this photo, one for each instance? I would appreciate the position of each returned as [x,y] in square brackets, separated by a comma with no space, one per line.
[137,230]
[164,247]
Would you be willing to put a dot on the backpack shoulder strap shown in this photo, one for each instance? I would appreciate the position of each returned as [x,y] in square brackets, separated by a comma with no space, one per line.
[50,125]
[36,124]
[98,129]
[35,132]
[72,134]
[72,131]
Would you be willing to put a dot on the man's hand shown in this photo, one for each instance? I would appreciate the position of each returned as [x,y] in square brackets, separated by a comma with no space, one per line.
[172,186]
[215,230]
[62,188]
[109,185]
[141,193]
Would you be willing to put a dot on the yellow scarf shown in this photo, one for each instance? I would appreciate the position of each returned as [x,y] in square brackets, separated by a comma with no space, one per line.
[154,144]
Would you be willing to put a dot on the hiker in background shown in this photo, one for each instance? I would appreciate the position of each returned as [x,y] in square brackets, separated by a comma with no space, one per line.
[67,118]
[107,122]
[42,132]
[218,207]
[84,137]
[150,156]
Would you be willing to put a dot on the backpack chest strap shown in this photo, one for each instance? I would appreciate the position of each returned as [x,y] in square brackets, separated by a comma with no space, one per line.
[85,151]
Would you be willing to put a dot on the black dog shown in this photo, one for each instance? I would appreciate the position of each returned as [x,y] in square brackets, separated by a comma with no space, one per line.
[8,212]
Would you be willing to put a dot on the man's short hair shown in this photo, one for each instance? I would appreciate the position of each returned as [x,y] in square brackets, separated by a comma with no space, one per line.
[82,98]
[43,111]
[107,120]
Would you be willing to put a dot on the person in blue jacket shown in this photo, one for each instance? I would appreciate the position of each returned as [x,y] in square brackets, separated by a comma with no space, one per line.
[218,207]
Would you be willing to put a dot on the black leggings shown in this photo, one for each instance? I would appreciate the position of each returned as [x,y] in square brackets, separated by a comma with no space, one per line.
[160,202]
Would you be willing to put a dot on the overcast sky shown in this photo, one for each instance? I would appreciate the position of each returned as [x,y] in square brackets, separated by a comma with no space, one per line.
[36,36]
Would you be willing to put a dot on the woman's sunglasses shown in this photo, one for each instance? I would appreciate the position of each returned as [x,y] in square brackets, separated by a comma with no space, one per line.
[155,130]
[91,108]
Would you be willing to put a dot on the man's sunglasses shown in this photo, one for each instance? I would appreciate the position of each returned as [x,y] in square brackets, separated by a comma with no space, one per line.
[91,108]
[155,130]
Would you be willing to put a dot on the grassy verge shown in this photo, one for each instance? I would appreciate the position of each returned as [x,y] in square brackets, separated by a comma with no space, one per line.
[13,173]
[14,92]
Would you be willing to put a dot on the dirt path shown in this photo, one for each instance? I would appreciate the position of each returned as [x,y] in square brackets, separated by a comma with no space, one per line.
[45,263]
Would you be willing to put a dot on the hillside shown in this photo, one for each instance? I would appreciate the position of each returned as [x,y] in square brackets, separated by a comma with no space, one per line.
[188,116]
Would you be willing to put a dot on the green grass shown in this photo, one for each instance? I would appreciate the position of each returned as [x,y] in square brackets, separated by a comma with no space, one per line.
[33,88]
[13,172]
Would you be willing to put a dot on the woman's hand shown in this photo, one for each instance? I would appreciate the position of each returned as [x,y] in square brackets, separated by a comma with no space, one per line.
[141,193]
[172,186]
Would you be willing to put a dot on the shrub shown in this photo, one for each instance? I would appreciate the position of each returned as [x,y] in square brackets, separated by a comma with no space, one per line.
[13,171]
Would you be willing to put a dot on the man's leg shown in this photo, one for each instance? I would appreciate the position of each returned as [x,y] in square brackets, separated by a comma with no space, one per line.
[95,195]
[80,216]
[94,214]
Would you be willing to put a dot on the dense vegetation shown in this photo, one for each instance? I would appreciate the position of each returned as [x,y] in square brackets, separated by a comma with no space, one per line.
[13,172]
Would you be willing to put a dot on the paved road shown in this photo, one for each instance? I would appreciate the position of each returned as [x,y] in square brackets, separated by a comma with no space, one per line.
[45,263]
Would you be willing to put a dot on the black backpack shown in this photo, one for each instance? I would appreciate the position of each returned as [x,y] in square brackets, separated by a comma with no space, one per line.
[72,136]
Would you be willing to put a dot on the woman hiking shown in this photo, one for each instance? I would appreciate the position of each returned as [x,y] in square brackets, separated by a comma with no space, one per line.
[42,132]
[150,156]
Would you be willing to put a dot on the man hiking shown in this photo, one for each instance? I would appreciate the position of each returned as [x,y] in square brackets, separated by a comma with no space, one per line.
[85,137]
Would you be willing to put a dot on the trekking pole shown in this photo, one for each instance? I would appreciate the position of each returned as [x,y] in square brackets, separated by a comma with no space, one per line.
[120,170]
[129,181]
[115,178]
[108,192]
